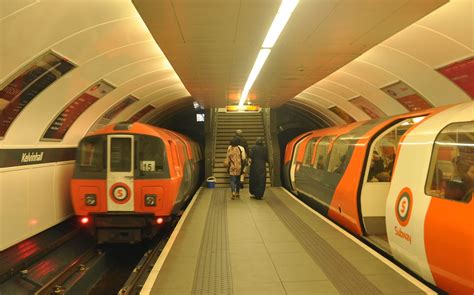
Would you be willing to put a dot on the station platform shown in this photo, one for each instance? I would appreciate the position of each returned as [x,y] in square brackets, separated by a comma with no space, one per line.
[277,245]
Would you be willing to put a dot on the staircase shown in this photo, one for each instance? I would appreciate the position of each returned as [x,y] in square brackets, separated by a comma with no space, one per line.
[252,126]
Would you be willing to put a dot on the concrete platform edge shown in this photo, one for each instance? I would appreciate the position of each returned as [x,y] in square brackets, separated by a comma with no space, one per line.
[377,255]
[150,281]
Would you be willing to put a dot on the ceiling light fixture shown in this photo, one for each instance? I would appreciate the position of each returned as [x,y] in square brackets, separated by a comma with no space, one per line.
[279,22]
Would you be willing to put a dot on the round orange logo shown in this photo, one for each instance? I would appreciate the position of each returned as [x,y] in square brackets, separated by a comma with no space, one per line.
[403,206]
[119,192]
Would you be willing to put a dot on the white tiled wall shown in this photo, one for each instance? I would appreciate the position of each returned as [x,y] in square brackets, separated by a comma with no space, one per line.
[32,199]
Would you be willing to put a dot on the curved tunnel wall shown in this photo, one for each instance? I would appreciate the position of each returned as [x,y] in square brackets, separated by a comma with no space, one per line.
[105,41]
[413,56]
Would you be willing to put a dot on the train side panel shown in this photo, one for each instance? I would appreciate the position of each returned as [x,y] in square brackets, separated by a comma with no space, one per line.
[430,231]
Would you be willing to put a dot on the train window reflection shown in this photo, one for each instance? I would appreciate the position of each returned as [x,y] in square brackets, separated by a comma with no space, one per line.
[322,152]
[150,155]
[339,156]
[309,152]
[120,154]
[91,155]
[384,150]
[451,172]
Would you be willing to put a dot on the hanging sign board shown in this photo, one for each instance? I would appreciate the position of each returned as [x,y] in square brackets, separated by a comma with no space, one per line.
[58,128]
[342,114]
[113,112]
[141,113]
[368,107]
[462,74]
[28,83]
[407,96]
[243,108]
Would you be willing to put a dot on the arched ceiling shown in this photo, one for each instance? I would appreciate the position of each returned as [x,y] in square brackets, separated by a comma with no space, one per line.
[327,56]
[105,40]
[414,56]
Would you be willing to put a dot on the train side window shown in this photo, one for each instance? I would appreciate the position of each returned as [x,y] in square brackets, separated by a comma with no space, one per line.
[309,151]
[340,157]
[322,153]
[451,171]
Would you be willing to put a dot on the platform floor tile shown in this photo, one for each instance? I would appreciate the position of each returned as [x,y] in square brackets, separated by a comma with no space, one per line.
[272,246]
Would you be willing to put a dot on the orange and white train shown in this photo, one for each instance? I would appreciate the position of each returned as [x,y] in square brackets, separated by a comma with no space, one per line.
[397,183]
[131,178]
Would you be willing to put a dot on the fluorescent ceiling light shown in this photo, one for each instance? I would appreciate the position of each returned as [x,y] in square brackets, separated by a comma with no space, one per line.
[261,58]
[279,22]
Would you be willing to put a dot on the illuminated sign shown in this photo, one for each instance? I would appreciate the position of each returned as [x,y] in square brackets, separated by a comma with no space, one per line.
[243,108]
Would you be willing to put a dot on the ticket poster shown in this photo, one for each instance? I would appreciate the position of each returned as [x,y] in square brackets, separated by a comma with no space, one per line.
[462,74]
[69,115]
[141,113]
[28,83]
[113,112]
[368,107]
[342,114]
[407,96]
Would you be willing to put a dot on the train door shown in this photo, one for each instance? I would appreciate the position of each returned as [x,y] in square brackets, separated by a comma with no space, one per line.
[294,164]
[377,179]
[120,165]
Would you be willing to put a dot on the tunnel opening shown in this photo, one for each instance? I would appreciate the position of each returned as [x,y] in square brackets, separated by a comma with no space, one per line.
[186,117]
[293,119]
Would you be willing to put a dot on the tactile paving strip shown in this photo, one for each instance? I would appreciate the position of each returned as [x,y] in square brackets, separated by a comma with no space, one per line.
[343,275]
[213,272]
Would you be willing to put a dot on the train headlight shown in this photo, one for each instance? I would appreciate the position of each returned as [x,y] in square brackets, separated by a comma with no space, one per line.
[90,200]
[150,200]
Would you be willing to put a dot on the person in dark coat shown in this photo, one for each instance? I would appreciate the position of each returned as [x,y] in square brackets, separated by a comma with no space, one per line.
[258,173]
[242,142]
[376,167]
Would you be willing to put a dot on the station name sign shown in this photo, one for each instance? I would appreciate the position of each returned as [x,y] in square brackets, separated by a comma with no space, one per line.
[21,157]
[32,157]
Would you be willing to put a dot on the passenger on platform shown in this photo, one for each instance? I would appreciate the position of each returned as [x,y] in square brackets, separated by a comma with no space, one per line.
[242,142]
[258,173]
[376,166]
[234,159]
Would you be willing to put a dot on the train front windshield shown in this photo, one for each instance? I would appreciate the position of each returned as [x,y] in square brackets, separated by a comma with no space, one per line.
[151,155]
[92,161]
[150,158]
